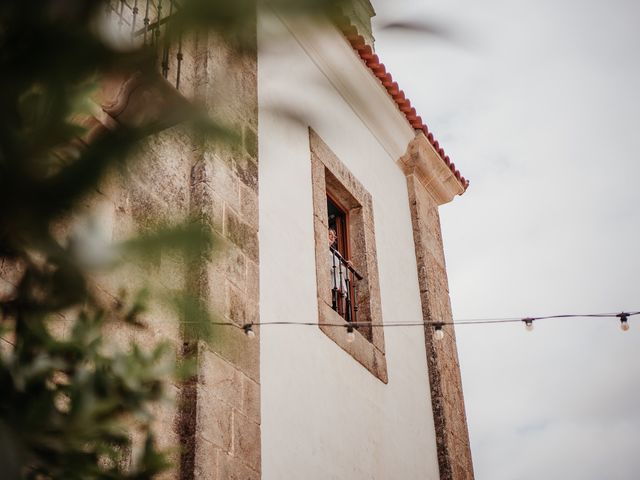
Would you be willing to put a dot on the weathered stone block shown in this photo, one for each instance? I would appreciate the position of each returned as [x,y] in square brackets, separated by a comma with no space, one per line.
[172,270]
[206,460]
[162,164]
[253,279]
[246,170]
[251,399]
[207,206]
[232,262]
[212,287]
[236,305]
[249,206]
[242,234]
[250,141]
[220,379]
[246,435]
[214,419]
[232,344]
[319,190]
[223,181]
[201,171]
[233,468]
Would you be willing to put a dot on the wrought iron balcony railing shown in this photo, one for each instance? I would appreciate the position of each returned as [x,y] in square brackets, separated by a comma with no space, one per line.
[344,292]
[149,23]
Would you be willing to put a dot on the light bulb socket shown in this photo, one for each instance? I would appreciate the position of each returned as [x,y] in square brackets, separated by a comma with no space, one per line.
[248,330]
[351,335]
[438,332]
[528,324]
[624,321]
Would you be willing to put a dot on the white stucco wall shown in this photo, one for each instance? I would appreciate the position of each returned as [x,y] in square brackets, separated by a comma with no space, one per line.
[324,416]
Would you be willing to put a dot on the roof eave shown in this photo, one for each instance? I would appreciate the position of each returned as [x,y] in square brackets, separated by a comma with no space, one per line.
[372,61]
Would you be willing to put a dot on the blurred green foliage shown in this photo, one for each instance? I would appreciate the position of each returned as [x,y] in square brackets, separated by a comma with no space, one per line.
[68,400]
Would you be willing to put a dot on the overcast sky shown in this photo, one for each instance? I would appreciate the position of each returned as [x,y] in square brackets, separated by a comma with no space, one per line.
[538,102]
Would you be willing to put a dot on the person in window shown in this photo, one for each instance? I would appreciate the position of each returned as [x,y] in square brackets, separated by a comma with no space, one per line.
[339,274]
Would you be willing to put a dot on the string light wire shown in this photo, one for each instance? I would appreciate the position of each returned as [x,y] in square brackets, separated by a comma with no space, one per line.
[483,321]
[436,324]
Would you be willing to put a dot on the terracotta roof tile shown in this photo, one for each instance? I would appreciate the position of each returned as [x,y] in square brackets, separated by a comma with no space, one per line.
[404,104]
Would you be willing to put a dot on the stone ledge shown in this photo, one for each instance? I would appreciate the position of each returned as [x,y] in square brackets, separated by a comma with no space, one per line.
[422,160]
[361,349]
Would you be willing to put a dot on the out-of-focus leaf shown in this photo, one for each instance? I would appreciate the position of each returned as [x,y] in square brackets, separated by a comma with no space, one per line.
[186,237]
[213,130]
[428,27]
[138,307]
[195,318]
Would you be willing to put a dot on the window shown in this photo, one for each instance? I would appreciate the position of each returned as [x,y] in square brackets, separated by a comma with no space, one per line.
[338,218]
[346,266]
[344,276]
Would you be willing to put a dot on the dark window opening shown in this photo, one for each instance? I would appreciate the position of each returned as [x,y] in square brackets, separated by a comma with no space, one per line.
[338,223]
[344,276]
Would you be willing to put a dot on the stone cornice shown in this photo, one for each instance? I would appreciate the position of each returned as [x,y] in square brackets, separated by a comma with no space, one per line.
[422,160]
[147,102]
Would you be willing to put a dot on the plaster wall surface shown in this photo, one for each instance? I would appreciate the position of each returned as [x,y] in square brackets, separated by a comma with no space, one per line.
[323,414]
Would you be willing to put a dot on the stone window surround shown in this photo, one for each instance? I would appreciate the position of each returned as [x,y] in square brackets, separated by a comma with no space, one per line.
[329,173]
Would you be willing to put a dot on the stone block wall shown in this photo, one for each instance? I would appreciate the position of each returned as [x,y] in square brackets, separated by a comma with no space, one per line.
[178,174]
[154,190]
[213,427]
[220,417]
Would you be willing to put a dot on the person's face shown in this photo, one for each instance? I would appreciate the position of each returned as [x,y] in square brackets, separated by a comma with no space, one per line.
[332,237]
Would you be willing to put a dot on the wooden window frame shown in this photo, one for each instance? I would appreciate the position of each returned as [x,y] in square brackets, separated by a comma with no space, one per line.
[343,237]
[347,247]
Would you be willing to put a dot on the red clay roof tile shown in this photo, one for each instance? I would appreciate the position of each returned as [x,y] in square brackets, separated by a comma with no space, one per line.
[379,70]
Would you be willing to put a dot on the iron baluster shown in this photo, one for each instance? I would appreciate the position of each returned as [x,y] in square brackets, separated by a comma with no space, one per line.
[133,18]
[121,15]
[159,35]
[179,58]
[165,48]
[355,303]
[341,292]
[347,312]
[146,23]
[344,291]
[156,29]
[334,299]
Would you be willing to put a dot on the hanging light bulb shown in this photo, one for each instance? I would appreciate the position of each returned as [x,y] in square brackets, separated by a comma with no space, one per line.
[248,330]
[438,332]
[624,321]
[351,335]
[528,324]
